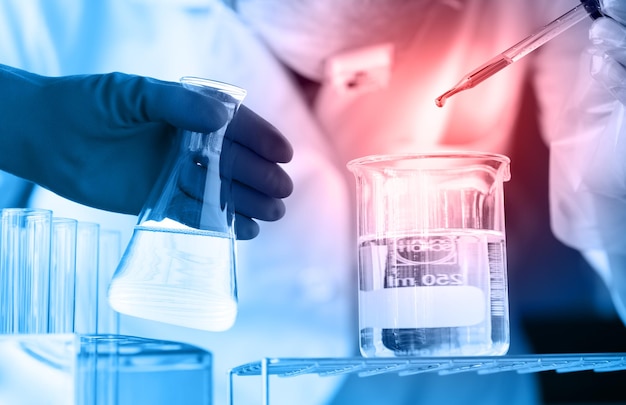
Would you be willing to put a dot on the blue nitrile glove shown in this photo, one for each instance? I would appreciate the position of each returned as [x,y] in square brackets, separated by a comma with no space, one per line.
[102,140]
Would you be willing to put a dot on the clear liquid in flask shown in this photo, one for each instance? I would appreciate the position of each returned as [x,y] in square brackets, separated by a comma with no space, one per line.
[179,276]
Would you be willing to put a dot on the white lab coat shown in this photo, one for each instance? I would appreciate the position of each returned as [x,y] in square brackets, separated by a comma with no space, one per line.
[297,280]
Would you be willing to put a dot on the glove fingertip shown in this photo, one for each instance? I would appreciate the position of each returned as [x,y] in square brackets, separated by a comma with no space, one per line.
[246,228]
[182,108]
[253,131]
[199,113]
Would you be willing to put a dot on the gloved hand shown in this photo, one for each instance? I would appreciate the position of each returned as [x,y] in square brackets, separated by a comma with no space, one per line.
[101,140]
[588,161]
[608,36]
[602,119]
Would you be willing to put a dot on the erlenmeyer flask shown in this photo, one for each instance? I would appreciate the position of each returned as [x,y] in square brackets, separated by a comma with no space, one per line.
[179,266]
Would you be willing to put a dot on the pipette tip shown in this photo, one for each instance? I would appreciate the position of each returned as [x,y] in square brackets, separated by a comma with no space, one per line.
[441,100]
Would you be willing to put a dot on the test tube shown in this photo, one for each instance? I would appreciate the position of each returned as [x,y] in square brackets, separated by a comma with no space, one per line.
[87,260]
[110,254]
[62,275]
[24,269]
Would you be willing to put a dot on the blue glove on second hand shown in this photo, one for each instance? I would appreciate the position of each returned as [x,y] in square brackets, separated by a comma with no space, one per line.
[101,140]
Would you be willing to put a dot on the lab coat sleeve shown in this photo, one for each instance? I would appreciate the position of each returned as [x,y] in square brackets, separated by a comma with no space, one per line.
[582,123]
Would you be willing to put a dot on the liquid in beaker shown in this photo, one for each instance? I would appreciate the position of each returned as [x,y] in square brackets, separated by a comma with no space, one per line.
[459,307]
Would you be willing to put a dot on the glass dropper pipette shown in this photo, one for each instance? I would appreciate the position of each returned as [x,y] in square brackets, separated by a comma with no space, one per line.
[523,48]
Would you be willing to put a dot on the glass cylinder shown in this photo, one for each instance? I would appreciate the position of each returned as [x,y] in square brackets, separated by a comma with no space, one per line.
[179,266]
[109,255]
[87,262]
[24,269]
[431,254]
[62,275]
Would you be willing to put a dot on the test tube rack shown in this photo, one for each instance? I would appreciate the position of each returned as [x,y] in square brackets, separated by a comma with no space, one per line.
[364,367]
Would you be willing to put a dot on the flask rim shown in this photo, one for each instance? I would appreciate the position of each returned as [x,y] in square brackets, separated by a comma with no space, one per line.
[234,91]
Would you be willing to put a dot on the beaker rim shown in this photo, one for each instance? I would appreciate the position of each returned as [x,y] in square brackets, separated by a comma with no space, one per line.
[386,158]
[235,91]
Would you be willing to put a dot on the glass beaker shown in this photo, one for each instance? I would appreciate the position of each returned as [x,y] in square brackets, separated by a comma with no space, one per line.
[179,266]
[431,254]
